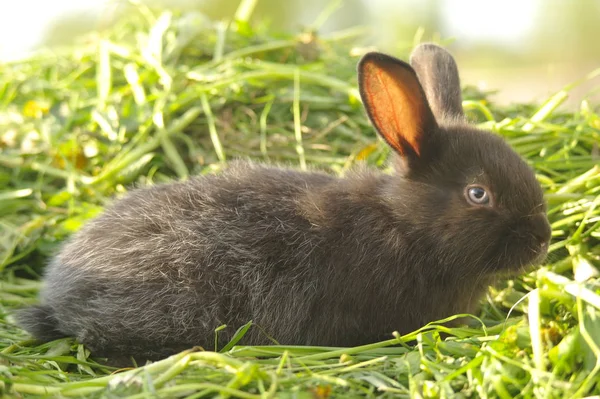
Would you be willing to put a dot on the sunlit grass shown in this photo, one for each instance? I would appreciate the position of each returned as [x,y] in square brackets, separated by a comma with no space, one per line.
[165,96]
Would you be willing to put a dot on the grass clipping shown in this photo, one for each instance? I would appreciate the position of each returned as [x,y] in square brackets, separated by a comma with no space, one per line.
[164,96]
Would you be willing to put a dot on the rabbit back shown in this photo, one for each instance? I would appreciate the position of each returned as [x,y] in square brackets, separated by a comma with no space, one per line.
[171,263]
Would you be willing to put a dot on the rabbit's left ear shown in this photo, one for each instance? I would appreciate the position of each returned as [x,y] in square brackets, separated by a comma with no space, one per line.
[438,74]
[396,104]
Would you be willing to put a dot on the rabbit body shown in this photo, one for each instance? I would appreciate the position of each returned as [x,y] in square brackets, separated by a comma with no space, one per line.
[311,258]
[167,265]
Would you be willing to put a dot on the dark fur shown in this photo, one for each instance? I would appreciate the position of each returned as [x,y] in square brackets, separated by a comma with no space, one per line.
[311,258]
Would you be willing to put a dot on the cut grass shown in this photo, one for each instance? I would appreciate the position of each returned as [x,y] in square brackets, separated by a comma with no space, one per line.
[165,96]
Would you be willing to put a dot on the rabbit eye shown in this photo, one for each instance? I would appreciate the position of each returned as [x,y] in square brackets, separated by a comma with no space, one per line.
[477,195]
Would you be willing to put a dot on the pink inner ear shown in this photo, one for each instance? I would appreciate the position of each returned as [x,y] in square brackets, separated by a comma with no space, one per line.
[396,104]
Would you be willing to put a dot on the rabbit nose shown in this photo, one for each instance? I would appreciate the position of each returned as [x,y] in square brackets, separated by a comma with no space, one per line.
[541,229]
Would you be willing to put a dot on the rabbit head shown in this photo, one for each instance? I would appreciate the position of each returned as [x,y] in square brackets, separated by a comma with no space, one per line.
[472,199]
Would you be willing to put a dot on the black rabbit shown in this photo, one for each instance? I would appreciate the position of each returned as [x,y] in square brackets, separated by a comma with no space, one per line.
[311,258]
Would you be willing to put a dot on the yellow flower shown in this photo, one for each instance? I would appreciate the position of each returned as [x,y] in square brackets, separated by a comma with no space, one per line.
[34,109]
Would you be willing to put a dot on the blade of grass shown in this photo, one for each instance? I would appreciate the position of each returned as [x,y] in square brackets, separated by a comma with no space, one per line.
[298,122]
[212,128]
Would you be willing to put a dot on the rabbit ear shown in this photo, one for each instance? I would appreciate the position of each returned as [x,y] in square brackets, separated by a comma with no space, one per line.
[395,103]
[438,73]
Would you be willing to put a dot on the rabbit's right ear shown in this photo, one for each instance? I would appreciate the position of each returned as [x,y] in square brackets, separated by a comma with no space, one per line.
[396,104]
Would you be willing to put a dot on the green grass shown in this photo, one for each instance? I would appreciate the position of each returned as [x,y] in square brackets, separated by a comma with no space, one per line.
[162,97]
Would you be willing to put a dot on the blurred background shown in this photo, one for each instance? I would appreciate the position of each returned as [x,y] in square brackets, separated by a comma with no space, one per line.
[528,49]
